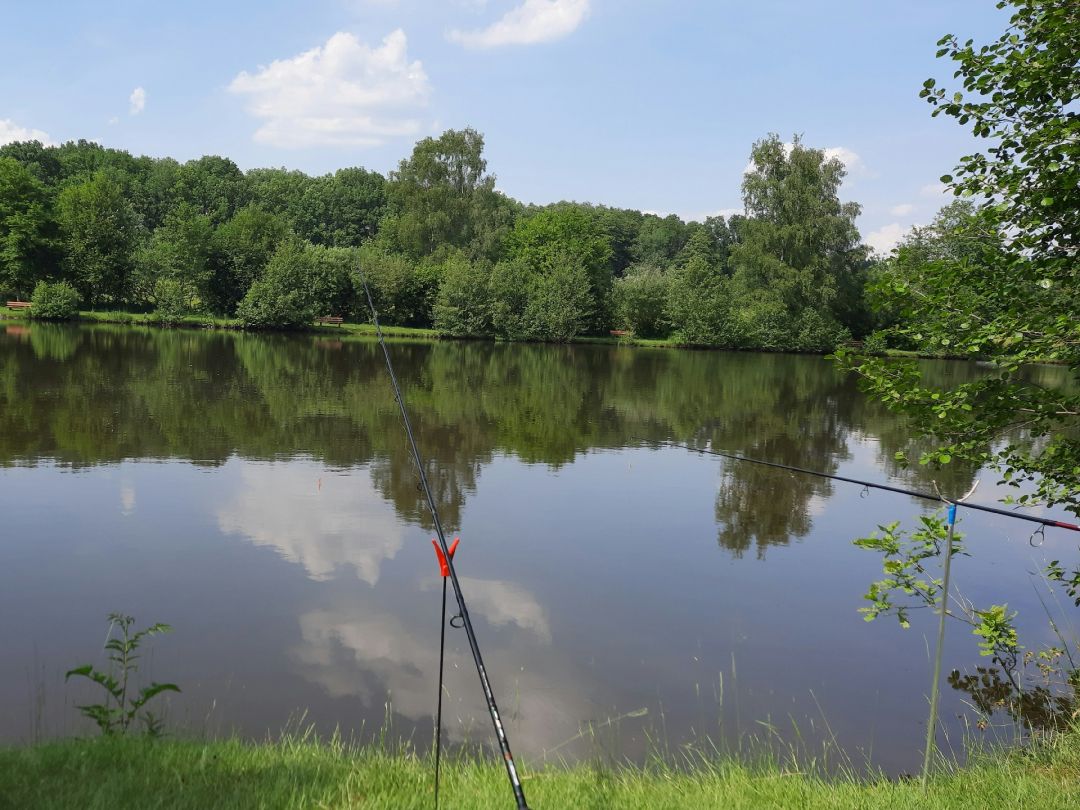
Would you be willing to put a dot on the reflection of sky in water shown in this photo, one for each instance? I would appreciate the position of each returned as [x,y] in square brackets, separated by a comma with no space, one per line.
[624,579]
[595,593]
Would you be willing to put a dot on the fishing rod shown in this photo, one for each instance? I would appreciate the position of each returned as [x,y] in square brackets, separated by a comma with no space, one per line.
[888,488]
[447,557]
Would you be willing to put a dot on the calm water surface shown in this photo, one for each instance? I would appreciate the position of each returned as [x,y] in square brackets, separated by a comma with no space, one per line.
[256,493]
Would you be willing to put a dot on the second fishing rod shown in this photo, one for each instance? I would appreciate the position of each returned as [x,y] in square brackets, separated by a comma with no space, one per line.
[463,611]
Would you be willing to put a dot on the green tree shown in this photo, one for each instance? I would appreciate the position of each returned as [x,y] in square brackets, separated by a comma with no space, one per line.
[442,196]
[241,249]
[463,304]
[100,232]
[640,298]
[559,239]
[1006,284]
[342,209]
[1001,282]
[659,239]
[39,159]
[798,247]
[180,252]
[214,186]
[27,229]
[279,191]
[403,291]
[698,304]
[280,299]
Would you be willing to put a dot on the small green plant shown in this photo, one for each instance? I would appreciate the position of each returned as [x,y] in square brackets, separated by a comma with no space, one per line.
[54,302]
[1038,689]
[122,706]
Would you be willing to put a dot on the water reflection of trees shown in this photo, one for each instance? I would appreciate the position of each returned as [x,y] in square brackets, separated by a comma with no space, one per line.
[100,395]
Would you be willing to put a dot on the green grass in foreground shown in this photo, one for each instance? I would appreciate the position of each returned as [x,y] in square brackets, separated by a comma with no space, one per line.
[120,773]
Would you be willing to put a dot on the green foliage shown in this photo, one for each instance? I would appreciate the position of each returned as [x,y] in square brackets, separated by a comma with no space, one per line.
[178,252]
[876,343]
[301,282]
[172,300]
[341,209]
[463,304]
[904,563]
[698,304]
[799,252]
[552,304]
[100,231]
[27,229]
[509,299]
[122,706]
[151,234]
[558,241]
[241,249]
[55,301]
[559,301]
[404,290]
[212,186]
[659,240]
[1001,281]
[639,299]
[442,197]
[279,299]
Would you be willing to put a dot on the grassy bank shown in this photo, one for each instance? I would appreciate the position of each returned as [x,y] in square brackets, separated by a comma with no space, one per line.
[119,773]
[360,329]
[413,333]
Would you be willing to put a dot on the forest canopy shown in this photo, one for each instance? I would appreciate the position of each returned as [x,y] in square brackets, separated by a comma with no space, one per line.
[440,245]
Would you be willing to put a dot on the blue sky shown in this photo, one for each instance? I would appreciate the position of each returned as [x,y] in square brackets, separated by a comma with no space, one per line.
[633,103]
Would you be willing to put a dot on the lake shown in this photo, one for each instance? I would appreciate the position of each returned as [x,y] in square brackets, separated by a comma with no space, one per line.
[256,492]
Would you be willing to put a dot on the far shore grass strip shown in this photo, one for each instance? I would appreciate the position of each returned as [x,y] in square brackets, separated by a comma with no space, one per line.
[149,319]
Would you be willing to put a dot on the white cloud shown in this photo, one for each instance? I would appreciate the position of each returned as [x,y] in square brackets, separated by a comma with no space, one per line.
[314,518]
[343,93]
[933,190]
[502,603]
[851,159]
[11,132]
[531,22]
[137,99]
[885,238]
[902,210]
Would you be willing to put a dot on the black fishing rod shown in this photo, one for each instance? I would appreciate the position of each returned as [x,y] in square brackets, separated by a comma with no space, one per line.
[447,556]
[888,488]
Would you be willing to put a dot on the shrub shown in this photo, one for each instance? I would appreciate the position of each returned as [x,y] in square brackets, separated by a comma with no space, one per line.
[876,343]
[173,300]
[54,301]
[640,298]
[279,298]
[463,304]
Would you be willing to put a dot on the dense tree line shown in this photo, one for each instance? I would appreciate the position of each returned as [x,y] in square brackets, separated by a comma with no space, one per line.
[439,244]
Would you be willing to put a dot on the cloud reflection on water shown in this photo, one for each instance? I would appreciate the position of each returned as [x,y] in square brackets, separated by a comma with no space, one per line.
[316,517]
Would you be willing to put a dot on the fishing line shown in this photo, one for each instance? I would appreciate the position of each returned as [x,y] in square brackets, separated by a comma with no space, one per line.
[447,556]
[871,485]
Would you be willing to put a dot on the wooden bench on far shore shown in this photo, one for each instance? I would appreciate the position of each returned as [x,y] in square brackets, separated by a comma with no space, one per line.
[619,333]
[18,304]
[330,319]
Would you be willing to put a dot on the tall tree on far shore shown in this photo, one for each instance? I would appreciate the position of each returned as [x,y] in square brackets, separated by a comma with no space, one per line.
[798,247]
[442,196]
[27,230]
[100,232]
